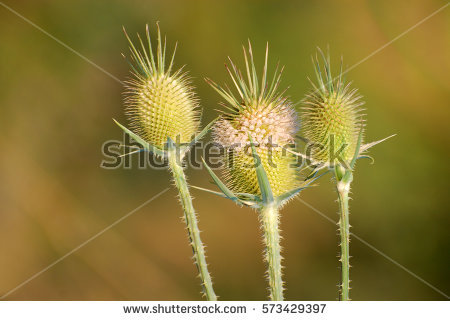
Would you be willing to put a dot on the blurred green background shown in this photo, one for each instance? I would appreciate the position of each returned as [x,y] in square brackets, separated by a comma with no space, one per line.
[56,110]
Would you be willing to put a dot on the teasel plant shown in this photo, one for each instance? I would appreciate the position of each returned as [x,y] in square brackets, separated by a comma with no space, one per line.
[257,124]
[164,117]
[333,127]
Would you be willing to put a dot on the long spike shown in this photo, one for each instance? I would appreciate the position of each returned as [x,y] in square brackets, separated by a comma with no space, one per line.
[173,57]
[134,52]
[254,75]
[233,76]
[159,51]
[164,54]
[226,95]
[264,77]
[340,75]
[148,64]
[272,84]
[150,49]
[319,74]
[248,70]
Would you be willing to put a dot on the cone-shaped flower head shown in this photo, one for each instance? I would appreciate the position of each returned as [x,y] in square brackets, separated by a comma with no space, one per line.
[331,118]
[269,118]
[159,103]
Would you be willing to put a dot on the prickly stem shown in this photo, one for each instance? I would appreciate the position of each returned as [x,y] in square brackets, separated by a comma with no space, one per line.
[192,225]
[269,218]
[343,189]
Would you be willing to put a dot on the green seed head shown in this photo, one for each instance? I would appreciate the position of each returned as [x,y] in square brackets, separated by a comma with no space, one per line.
[331,117]
[159,103]
[269,118]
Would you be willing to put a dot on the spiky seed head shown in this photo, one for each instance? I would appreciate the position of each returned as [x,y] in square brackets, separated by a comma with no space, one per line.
[269,118]
[159,103]
[331,117]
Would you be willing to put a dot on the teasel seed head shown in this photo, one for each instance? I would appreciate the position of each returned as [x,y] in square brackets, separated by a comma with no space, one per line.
[268,117]
[331,117]
[159,103]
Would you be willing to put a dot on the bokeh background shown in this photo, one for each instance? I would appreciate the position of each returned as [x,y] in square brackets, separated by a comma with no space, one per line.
[56,111]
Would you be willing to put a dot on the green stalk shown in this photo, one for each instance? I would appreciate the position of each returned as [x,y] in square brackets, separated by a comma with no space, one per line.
[269,217]
[190,218]
[343,189]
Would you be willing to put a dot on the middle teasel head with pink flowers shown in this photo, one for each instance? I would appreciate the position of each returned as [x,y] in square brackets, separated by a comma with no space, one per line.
[256,111]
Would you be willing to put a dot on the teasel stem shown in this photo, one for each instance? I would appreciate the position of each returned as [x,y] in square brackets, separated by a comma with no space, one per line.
[190,217]
[343,183]
[269,217]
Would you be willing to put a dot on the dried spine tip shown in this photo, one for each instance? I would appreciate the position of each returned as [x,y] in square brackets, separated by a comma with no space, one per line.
[269,118]
[159,103]
[331,117]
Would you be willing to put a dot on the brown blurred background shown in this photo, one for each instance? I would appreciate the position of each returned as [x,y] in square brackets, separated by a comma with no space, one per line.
[56,110]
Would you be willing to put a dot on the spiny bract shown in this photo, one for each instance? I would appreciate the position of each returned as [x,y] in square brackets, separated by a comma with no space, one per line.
[331,117]
[159,103]
[269,118]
